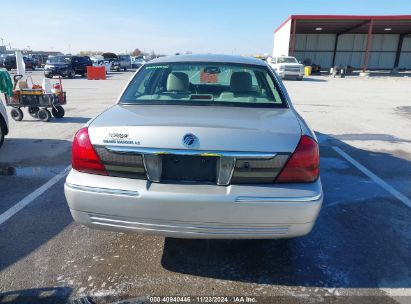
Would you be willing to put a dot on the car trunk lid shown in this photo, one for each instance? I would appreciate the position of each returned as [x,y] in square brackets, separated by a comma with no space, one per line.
[217,128]
[232,144]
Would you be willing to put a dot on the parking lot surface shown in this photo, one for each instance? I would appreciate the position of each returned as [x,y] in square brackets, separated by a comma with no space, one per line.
[360,245]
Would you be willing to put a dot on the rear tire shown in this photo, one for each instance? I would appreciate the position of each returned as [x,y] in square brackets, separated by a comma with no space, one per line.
[44,115]
[58,112]
[33,111]
[299,78]
[16,114]
[48,76]
[71,75]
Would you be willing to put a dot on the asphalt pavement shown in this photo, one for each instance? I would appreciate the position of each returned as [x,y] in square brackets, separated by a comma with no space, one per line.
[359,249]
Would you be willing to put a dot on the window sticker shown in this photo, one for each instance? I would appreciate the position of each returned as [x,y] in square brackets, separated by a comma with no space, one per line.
[208,78]
[157,67]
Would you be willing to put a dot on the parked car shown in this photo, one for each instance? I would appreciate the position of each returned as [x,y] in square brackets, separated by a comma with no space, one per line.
[67,66]
[198,146]
[286,66]
[124,62]
[2,58]
[114,64]
[137,62]
[4,123]
[10,63]
[97,60]
[29,63]
[39,59]
[113,60]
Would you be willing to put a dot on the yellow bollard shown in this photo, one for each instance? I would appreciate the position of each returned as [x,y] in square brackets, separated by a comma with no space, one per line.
[307,70]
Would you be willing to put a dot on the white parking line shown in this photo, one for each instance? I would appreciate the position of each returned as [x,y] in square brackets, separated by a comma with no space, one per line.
[398,292]
[32,196]
[406,201]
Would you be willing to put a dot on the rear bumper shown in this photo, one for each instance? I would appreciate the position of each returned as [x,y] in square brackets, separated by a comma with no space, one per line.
[57,72]
[193,211]
[284,74]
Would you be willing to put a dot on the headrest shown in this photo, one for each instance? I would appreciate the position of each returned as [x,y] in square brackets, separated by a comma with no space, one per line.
[177,81]
[240,82]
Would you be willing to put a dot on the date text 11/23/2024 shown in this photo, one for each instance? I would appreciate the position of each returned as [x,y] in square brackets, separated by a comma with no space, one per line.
[202,299]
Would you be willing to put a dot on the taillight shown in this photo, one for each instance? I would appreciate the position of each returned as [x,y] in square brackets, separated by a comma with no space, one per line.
[84,157]
[303,165]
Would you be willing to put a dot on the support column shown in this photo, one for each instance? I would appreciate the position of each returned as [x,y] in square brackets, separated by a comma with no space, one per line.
[335,48]
[293,38]
[398,52]
[367,47]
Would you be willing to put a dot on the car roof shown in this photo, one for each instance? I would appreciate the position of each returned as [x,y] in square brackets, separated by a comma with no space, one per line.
[209,58]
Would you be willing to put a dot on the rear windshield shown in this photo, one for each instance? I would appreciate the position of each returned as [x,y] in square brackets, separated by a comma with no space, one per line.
[84,59]
[286,60]
[59,59]
[204,84]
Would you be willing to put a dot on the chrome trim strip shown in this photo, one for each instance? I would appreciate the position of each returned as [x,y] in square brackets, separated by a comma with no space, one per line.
[97,219]
[103,190]
[259,199]
[277,231]
[158,151]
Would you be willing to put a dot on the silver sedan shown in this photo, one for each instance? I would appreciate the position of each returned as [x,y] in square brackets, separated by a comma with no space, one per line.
[198,146]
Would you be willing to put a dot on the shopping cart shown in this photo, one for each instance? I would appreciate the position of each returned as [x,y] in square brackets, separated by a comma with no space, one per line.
[40,104]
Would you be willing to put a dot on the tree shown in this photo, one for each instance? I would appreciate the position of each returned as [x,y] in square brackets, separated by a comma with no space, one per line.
[136,52]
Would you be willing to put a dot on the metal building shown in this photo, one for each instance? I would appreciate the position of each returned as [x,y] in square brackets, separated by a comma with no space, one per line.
[363,42]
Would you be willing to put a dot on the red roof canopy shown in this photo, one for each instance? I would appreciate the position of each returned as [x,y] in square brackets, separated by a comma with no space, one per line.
[339,24]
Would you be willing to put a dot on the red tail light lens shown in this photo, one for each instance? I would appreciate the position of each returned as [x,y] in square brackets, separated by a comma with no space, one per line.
[84,157]
[303,165]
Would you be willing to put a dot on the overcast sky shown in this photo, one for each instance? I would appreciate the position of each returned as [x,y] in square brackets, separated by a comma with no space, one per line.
[165,26]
